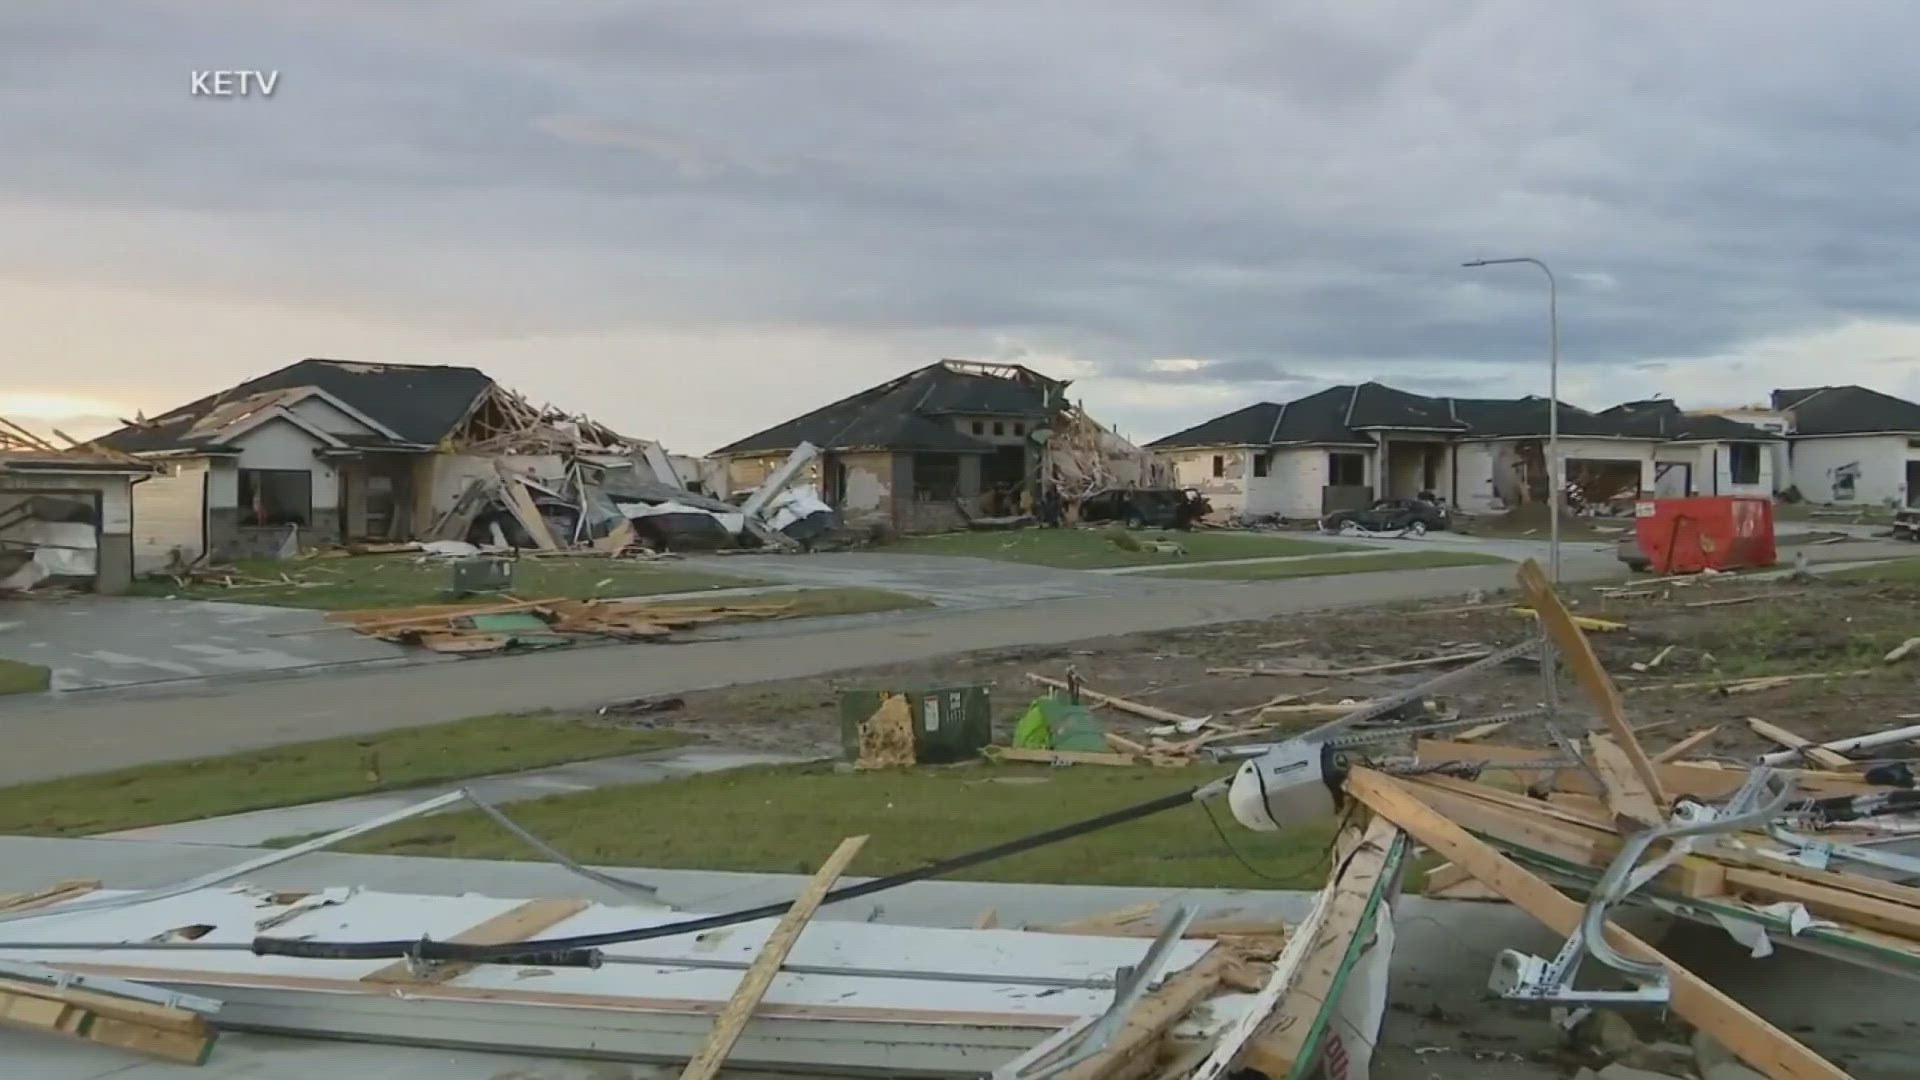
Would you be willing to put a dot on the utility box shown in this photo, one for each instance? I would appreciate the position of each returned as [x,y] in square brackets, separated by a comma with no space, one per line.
[952,724]
[1722,532]
[482,575]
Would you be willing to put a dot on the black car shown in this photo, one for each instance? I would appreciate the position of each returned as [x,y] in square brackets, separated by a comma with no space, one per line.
[1158,508]
[1415,516]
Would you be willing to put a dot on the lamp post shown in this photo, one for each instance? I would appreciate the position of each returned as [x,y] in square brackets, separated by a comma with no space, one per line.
[1554,478]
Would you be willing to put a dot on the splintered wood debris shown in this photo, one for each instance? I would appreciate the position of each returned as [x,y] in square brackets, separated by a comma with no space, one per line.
[470,628]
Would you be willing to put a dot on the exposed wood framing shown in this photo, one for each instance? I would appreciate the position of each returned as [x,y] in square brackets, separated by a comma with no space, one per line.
[1627,794]
[1134,1049]
[139,1026]
[753,985]
[1756,1042]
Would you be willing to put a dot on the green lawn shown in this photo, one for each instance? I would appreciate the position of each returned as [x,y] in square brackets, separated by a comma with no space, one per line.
[810,603]
[1358,564]
[308,772]
[1083,549]
[21,678]
[787,819]
[376,581]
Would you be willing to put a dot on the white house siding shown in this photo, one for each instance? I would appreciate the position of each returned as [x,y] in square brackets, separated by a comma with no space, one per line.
[223,483]
[281,445]
[168,515]
[1878,462]
[1194,469]
[1292,486]
[1710,471]
[1473,464]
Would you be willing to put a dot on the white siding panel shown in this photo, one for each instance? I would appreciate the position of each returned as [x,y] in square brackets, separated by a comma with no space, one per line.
[327,417]
[168,515]
[1876,462]
[279,444]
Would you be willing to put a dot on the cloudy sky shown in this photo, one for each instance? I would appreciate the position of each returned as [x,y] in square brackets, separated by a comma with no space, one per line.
[696,219]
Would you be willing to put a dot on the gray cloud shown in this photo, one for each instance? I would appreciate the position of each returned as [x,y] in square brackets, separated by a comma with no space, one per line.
[1285,195]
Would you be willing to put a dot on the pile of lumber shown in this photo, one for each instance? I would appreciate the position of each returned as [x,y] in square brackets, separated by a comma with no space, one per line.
[451,628]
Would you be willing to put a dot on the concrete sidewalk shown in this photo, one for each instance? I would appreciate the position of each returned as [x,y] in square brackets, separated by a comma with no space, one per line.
[47,738]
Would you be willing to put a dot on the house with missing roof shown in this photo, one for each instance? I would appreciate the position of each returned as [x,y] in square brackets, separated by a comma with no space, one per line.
[66,515]
[1348,445]
[928,450]
[324,451]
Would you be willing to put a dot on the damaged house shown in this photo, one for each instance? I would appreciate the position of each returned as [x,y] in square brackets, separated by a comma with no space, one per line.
[327,451]
[948,442]
[66,515]
[1346,446]
[1850,445]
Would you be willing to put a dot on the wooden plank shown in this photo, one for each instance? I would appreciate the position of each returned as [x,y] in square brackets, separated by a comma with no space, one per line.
[518,924]
[1734,686]
[1626,795]
[1397,665]
[52,894]
[514,489]
[147,1013]
[1060,757]
[1136,708]
[753,985]
[617,540]
[1584,622]
[1281,1039]
[1827,901]
[56,1015]
[1577,653]
[1685,744]
[1680,777]
[1812,751]
[1480,731]
[1104,923]
[1133,1051]
[1761,1045]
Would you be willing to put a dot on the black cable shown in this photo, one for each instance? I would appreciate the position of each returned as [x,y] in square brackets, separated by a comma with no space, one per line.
[1291,877]
[575,950]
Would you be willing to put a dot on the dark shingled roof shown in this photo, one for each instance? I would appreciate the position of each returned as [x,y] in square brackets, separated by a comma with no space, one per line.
[1344,414]
[1847,410]
[420,403]
[894,415]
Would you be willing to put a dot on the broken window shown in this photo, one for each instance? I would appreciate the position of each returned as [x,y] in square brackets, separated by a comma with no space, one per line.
[936,477]
[1219,464]
[979,427]
[1346,470]
[1743,462]
[1261,462]
[276,497]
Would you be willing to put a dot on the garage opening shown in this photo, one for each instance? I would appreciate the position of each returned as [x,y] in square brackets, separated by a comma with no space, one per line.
[1603,488]
[49,536]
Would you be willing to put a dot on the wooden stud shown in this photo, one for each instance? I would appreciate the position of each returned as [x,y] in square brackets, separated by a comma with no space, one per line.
[1133,1050]
[1281,1038]
[753,985]
[1480,731]
[1756,1042]
[1579,656]
[1689,779]
[1397,665]
[1685,744]
[1626,795]
[52,894]
[142,1027]
[1812,751]
[1136,708]
[517,924]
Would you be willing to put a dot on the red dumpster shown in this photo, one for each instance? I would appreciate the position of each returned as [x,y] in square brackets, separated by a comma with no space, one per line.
[1722,532]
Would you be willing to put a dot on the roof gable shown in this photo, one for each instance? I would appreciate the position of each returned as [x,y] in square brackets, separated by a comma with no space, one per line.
[414,404]
[896,414]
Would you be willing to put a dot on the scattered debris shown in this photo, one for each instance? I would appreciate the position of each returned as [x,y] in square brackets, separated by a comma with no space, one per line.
[492,627]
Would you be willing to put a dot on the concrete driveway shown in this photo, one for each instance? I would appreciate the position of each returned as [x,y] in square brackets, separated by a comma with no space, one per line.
[97,642]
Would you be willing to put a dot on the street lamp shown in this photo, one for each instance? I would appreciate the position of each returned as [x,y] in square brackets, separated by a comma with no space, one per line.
[1554,478]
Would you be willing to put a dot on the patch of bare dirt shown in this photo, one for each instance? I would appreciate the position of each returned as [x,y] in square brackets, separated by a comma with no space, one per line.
[1790,628]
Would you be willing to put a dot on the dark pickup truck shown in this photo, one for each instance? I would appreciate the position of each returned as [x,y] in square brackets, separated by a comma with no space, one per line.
[1158,508]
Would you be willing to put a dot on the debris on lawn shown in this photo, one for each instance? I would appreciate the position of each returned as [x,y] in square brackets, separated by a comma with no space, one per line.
[493,627]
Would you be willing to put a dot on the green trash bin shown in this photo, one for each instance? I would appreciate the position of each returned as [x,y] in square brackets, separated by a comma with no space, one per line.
[951,724]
